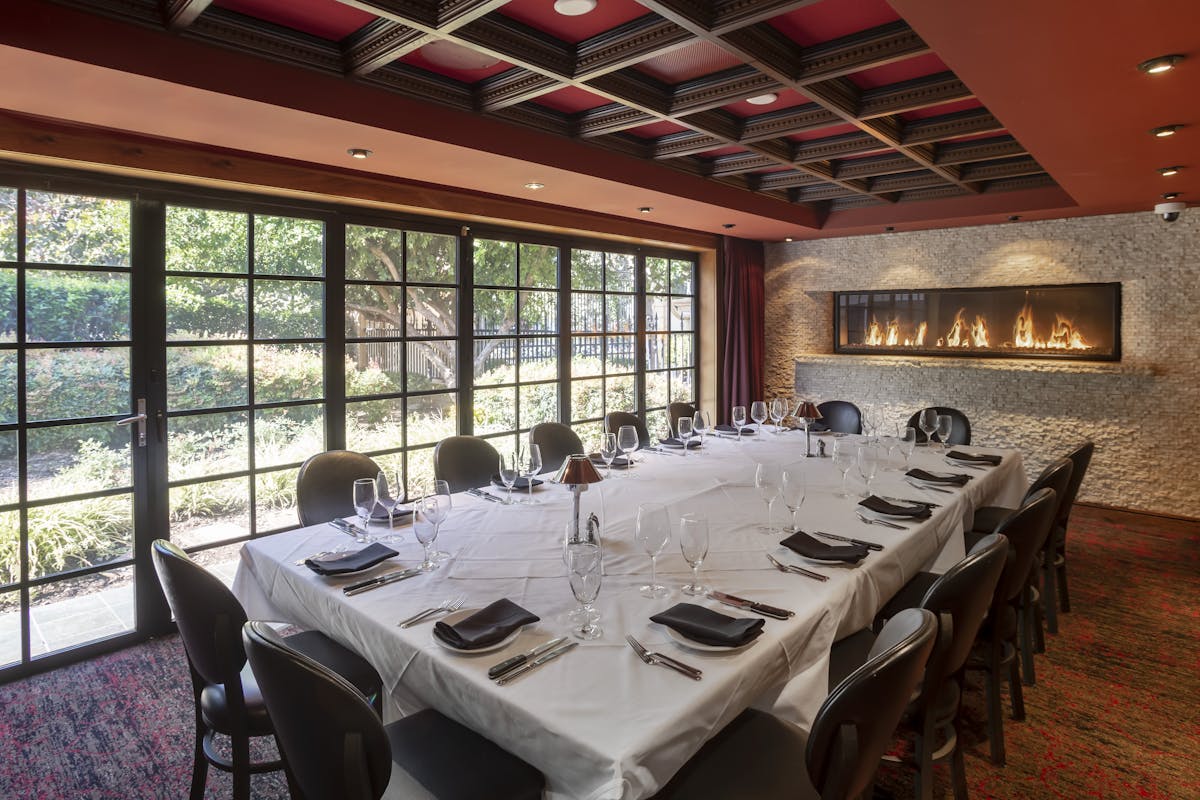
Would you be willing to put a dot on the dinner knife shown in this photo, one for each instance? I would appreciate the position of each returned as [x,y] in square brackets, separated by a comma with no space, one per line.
[759,608]
[537,662]
[910,500]
[382,580]
[837,538]
[518,660]
[347,528]
[482,495]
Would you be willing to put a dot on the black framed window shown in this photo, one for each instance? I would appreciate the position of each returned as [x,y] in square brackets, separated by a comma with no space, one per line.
[670,371]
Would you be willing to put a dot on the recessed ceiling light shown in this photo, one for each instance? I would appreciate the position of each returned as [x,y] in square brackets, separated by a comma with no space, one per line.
[1014,217]
[1157,66]
[574,8]
[787,239]
[535,185]
[359,152]
[1167,172]
[762,99]
[889,229]
[1163,131]
[1171,195]
[645,209]
[454,56]
[728,225]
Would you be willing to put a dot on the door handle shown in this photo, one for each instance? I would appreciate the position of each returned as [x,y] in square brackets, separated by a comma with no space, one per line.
[140,419]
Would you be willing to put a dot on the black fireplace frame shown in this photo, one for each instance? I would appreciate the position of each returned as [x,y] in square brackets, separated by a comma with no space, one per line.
[944,352]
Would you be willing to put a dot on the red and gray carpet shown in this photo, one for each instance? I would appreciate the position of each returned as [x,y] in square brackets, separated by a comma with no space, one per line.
[1113,715]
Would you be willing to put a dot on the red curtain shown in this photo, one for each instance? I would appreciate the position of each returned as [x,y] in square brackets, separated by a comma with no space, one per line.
[743,308]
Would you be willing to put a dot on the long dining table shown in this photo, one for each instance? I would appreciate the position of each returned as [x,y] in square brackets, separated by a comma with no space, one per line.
[598,722]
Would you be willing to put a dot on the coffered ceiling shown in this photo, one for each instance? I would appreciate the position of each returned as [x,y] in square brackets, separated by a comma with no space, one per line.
[779,117]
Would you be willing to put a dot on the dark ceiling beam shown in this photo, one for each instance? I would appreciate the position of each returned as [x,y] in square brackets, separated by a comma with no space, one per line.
[635,41]
[1007,168]
[511,87]
[947,126]
[419,14]
[841,146]
[404,27]
[873,166]
[919,179]
[719,89]
[609,119]
[178,14]
[452,14]
[419,84]
[912,95]
[686,143]
[874,47]
[727,15]
[776,124]
[785,180]
[824,191]
[379,43]
[737,163]
[978,150]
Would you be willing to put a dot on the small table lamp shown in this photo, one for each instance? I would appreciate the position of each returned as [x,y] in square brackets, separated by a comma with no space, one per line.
[808,413]
[577,472]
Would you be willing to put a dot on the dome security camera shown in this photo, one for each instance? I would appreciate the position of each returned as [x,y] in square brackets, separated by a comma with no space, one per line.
[1170,211]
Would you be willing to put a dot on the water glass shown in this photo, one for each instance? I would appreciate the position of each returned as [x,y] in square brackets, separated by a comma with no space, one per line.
[928,423]
[758,413]
[739,420]
[778,410]
[530,467]
[608,452]
[627,440]
[652,531]
[908,443]
[364,504]
[693,543]
[868,463]
[584,573]
[684,427]
[844,458]
[945,424]
[767,478]
[428,514]
[509,471]
[792,489]
[701,424]
[441,490]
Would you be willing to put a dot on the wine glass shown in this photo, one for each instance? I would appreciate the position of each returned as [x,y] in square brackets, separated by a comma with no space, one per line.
[844,458]
[868,463]
[584,573]
[531,466]
[700,424]
[791,488]
[766,481]
[693,543]
[908,443]
[758,413]
[778,411]
[739,420]
[627,440]
[684,426]
[383,497]
[945,423]
[928,423]
[364,504]
[428,515]
[652,531]
[441,489]
[508,475]
[608,452]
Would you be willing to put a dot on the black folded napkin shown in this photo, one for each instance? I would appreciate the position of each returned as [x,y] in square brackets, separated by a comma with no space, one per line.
[881,506]
[980,458]
[800,542]
[746,431]
[929,477]
[520,483]
[484,627]
[678,444]
[706,626]
[620,462]
[817,427]
[342,563]
[380,514]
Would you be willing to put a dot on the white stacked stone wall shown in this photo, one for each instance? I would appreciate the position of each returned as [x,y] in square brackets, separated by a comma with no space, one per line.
[1143,412]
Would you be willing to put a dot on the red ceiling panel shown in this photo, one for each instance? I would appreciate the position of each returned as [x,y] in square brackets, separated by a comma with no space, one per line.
[327,19]
[788,98]
[571,99]
[898,71]
[820,22]
[540,14]
[688,62]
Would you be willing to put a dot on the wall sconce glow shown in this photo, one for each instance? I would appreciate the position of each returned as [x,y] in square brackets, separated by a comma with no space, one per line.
[534,185]
[1167,172]
[762,99]
[574,8]
[645,209]
[359,152]
[1157,66]
[1163,131]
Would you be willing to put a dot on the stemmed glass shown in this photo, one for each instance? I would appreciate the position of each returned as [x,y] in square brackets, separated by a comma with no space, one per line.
[509,470]
[428,515]
[383,497]
[441,489]
[701,424]
[928,423]
[908,443]
[944,425]
[791,487]
[868,463]
[364,504]
[652,530]
[583,572]
[778,411]
[531,466]
[758,413]
[766,481]
[684,427]
[844,459]
[627,440]
[693,543]
[608,452]
[739,420]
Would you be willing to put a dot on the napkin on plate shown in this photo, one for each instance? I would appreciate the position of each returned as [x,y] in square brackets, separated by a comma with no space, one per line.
[620,462]
[676,443]
[800,542]
[710,627]
[881,506]
[342,563]
[746,431]
[520,483]
[484,627]
[929,477]
[980,458]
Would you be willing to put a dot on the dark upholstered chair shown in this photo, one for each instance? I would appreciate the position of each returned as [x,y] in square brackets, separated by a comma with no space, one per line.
[465,462]
[841,416]
[336,747]
[613,421]
[324,485]
[556,441]
[1081,458]
[227,699]
[960,598]
[960,431]
[677,410]
[758,755]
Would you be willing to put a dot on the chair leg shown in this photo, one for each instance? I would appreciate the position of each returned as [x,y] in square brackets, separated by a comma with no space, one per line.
[240,746]
[1039,625]
[1017,694]
[995,712]
[958,769]
[1050,596]
[199,764]
[924,746]
[1064,596]
[1025,631]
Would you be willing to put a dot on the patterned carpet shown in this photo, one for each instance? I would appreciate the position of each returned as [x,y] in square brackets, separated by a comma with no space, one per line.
[1113,714]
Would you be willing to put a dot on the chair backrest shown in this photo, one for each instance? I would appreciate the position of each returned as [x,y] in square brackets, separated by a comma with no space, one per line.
[1026,530]
[855,724]
[334,743]
[1080,457]
[325,485]
[841,416]
[960,598]
[465,462]
[1056,476]
[677,410]
[209,617]
[556,441]
[960,430]
[613,421]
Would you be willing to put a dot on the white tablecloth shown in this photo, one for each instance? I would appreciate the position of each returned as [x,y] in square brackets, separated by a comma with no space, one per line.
[597,721]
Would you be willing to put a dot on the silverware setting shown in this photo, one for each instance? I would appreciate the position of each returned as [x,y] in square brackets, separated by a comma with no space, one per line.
[835,537]
[882,522]
[300,561]
[925,488]
[650,657]
[510,664]
[482,495]
[662,451]
[382,580]
[537,662]
[759,608]
[448,605]
[910,500]
[348,529]
[779,565]
[965,465]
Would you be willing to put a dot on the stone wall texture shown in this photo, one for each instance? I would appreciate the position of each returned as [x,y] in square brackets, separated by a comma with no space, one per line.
[1143,412]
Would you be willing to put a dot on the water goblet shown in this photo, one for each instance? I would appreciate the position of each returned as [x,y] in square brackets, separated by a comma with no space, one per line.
[778,411]
[868,463]
[908,443]
[652,531]
[701,425]
[766,481]
[927,421]
[392,505]
[509,471]
[608,452]
[693,543]
[684,427]
[441,489]
[792,489]
[758,413]
[428,514]
[531,466]
[739,420]
[584,574]
[945,424]
[364,505]
[627,440]
[844,458]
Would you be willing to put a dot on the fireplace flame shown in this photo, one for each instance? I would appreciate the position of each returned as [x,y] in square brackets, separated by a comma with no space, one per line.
[1063,335]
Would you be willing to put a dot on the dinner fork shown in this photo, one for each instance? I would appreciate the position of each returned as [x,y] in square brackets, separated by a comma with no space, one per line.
[965,465]
[664,661]
[925,488]
[779,565]
[448,605]
[882,522]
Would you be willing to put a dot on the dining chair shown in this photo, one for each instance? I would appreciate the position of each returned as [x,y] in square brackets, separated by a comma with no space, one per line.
[324,484]
[337,747]
[614,420]
[757,755]
[556,441]
[227,699]
[1081,459]
[960,598]
[677,410]
[465,462]
[840,416]
[960,429]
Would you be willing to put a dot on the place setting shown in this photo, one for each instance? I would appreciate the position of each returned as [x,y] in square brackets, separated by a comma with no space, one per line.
[345,563]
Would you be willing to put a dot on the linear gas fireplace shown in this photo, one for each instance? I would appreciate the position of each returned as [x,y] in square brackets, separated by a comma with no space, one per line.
[1078,321]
